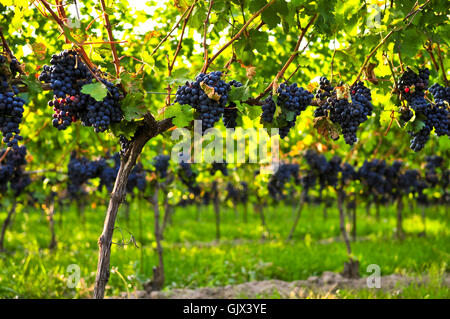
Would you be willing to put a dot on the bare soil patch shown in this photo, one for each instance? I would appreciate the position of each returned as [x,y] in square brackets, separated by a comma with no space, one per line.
[324,286]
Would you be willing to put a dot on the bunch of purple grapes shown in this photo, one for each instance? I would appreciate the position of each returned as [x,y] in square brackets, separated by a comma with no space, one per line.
[348,115]
[11,106]
[326,172]
[392,174]
[318,166]
[244,192]
[348,173]
[230,113]
[433,163]
[439,115]
[82,170]
[109,173]
[268,110]
[292,100]
[66,75]
[440,93]
[208,110]
[413,87]
[408,182]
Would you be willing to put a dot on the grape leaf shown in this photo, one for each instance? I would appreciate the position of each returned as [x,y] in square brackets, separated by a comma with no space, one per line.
[239,106]
[179,76]
[182,114]
[416,124]
[130,82]
[33,85]
[209,90]
[124,128]
[259,40]
[253,112]
[241,93]
[342,92]
[326,128]
[290,116]
[96,90]
[132,106]
[39,50]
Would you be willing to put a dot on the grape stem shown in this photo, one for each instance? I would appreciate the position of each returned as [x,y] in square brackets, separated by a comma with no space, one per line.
[299,65]
[291,58]
[177,51]
[230,61]
[170,33]
[226,45]
[332,61]
[390,123]
[411,13]
[429,49]
[4,43]
[414,12]
[401,62]
[61,10]
[4,155]
[391,67]
[111,38]
[438,49]
[366,60]
[54,15]
[8,50]
[159,93]
[92,22]
[205,26]
[85,57]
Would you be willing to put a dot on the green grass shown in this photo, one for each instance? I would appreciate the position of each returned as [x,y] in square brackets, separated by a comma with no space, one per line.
[29,270]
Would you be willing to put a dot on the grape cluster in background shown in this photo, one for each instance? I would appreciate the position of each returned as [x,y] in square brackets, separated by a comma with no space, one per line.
[237,193]
[188,177]
[283,175]
[12,170]
[222,167]
[382,182]
[81,171]
[161,163]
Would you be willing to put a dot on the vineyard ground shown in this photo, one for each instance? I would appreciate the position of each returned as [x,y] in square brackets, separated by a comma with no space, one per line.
[329,285]
[29,270]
